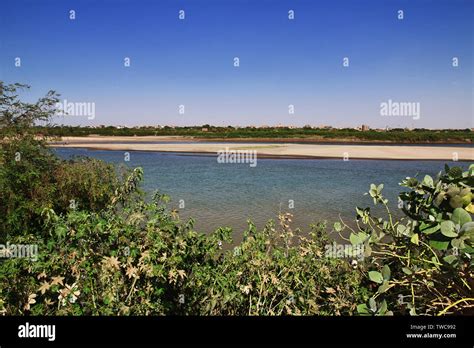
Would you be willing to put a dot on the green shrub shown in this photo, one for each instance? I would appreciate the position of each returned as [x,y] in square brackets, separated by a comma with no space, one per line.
[422,264]
[139,258]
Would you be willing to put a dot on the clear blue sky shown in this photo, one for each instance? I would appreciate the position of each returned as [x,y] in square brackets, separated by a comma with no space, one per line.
[282,62]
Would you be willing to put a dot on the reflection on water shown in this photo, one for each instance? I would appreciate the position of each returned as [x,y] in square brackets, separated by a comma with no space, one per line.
[228,194]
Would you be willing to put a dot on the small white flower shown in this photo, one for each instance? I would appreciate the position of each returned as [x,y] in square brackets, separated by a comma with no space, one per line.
[69,293]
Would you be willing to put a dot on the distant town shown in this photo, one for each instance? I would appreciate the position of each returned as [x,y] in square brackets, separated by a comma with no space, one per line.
[207,127]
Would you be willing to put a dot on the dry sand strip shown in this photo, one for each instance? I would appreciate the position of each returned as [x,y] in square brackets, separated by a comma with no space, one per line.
[278,150]
[128,139]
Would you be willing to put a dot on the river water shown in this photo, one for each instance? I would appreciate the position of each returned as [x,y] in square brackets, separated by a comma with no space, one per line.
[219,194]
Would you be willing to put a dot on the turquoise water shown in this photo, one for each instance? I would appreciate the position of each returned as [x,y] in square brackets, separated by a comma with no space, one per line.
[217,194]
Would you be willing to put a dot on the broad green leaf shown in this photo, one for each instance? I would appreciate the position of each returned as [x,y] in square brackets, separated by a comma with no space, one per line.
[362,309]
[468,227]
[384,287]
[439,244]
[427,229]
[383,307]
[448,229]
[376,277]
[455,202]
[450,259]
[386,272]
[428,181]
[367,250]
[358,238]
[458,243]
[460,217]
[372,304]
[353,238]
[439,198]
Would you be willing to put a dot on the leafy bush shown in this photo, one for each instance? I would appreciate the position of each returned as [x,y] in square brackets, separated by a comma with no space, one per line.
[84,182]
[279,272]
[33,178]
[25,185]
[422,264]
[140,259]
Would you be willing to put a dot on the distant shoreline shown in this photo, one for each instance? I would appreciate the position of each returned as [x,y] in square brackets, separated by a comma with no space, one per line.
[300,140]
[276,149]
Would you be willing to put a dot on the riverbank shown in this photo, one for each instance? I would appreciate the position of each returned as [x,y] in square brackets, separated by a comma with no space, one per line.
[187,145]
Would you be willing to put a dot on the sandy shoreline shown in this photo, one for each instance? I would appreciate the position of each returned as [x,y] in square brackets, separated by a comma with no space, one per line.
[270,150]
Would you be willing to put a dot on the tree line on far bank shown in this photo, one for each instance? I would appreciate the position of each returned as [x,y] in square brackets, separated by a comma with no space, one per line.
[396,135]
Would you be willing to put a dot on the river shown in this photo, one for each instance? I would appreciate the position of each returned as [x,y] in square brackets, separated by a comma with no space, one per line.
[223,194]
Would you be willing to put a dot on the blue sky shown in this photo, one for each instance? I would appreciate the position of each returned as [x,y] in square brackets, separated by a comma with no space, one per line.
[190,62]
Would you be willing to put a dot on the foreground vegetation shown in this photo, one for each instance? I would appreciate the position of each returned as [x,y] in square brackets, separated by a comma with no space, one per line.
[104,250]
[396,135]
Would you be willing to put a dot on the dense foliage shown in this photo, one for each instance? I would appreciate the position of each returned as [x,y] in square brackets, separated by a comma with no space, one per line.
[422,263]
[104,250]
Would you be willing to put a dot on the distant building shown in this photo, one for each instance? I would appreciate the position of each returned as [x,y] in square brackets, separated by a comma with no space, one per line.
[364,128]
[204,129]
